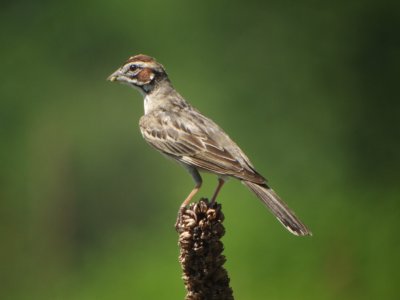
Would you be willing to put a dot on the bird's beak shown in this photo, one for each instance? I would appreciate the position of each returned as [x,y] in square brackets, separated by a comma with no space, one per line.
[114,76]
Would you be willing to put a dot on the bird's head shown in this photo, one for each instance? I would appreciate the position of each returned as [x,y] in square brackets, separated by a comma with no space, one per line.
[140,71]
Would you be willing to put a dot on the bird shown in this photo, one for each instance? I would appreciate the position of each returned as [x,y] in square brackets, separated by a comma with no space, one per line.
[178,130]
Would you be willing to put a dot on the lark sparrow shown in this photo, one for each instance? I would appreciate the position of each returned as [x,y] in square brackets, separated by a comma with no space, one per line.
[178,130]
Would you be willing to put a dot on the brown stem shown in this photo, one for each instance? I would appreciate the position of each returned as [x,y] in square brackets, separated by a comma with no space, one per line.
[200,230]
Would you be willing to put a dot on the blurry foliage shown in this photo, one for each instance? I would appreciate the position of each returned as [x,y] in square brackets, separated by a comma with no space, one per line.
[309,90]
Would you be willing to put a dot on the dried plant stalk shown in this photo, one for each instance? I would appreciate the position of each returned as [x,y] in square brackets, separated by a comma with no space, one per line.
[200,230]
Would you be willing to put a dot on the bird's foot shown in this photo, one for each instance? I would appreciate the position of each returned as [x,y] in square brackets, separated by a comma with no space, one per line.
[179,217]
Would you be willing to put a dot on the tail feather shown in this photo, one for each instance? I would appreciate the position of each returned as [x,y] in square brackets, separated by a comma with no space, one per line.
[281,211]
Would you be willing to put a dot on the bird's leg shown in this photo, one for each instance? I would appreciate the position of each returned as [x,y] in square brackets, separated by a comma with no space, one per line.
[197,178]
[191,195]
[220,184]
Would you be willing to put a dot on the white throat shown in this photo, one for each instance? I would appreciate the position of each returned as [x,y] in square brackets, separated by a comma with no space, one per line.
[146,104]
[159,97]
[151,102]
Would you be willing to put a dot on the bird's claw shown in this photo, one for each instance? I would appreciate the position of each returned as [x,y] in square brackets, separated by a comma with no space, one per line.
[179,218]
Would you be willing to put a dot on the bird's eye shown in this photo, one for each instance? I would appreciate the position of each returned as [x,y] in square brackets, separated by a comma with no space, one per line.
[133,67]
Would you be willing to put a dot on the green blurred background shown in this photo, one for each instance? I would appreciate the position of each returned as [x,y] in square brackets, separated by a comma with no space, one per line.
[309,90]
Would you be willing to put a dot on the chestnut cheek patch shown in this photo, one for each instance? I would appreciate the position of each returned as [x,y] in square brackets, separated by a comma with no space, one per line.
[145,76]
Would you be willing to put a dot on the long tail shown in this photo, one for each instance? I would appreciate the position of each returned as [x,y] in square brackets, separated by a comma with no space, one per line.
[281,211]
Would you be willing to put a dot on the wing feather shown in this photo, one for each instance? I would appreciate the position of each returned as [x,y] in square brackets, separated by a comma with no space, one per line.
[200,144]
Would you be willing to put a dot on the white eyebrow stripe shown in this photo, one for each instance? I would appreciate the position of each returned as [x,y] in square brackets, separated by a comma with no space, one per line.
[142,64]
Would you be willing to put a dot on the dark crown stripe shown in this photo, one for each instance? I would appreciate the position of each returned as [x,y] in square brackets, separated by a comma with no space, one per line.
[141,57]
